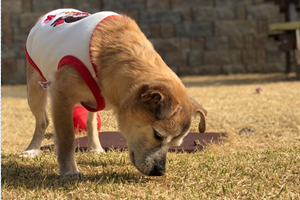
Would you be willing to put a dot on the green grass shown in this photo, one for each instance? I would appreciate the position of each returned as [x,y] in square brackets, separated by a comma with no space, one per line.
[242,175]
[262,165]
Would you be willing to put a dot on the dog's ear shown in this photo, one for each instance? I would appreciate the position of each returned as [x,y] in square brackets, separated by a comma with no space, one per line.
[158,99]
[200,110]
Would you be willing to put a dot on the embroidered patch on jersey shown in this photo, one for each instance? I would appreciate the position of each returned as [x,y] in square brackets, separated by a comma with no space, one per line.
[49,18]
[66,17]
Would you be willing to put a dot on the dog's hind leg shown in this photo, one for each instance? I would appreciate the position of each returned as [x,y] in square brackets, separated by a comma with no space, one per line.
[95,146]
[37,101]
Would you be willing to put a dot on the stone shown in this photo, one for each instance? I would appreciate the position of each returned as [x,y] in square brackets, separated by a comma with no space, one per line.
[209,13]
[8,66]
[14,78]
[209,69]
[145,29]
[225,13]
[249,56]
[166,45]
[190,3]
[258,1]
[123,5]
[187,70]
[11,7]
[133,14]
[255,67]
[45,6]
[205,13]
[7,36]
[261,42]
[167,30]
[186,13]
[156,16]
[262,11]
[216,42]
[8,51]
[68,4]
[218,57]
[195,58]
[175,70]
[222,3]
[188,29]
[5,22]
[240,12]
[262,27]
[27,5]
[158,4]
[21,66]
[235,56]
[197,43]
[232,3]
[248,41]
[175,59]
[274,56]
[155,30]
[261,56]
[15,21]
[185,44]
[91,6]
[20,36]
[234,68]
[28,20]
[275,67]
[235,27]
[236,42]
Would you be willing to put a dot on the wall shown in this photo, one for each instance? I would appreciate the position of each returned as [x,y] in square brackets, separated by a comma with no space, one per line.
[194,37]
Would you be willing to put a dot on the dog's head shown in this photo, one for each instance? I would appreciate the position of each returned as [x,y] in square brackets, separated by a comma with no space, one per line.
[157,117]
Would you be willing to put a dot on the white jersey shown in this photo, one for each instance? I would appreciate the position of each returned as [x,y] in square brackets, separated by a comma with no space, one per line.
[62,37]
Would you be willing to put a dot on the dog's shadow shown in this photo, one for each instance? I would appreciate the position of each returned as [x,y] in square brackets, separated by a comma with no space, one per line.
[15,174]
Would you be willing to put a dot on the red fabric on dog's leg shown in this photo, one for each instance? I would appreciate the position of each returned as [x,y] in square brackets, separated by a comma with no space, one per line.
[80,115]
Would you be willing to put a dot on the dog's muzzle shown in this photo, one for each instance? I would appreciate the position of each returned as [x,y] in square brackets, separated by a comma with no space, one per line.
[159,169]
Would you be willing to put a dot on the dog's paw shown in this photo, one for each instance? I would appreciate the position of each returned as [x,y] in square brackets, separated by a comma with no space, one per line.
[73,175]
[30,153]
[96,151]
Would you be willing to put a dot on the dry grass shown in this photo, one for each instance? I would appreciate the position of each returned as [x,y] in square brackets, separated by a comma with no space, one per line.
[261,165]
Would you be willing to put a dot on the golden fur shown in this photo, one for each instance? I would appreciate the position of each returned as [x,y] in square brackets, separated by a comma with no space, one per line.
[152,106]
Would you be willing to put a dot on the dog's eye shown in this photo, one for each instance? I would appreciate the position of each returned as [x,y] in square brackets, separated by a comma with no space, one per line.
[158,136]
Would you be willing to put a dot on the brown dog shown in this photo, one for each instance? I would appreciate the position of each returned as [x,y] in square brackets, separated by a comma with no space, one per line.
[153,108]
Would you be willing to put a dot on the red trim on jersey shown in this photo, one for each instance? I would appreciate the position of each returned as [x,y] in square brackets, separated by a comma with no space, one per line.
[88,78]
[33,64]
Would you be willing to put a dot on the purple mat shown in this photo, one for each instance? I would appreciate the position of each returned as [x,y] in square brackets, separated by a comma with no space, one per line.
[114,140]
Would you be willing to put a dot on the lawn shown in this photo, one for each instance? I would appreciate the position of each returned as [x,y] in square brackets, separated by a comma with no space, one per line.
[260,158]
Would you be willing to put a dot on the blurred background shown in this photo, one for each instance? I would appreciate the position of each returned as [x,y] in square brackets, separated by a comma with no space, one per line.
[194,37]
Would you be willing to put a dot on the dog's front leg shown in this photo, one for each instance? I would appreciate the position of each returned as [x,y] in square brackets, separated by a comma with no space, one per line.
[95,146]
[62,105]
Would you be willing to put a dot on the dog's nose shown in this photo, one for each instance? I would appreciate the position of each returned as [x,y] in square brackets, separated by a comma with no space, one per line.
[158,170]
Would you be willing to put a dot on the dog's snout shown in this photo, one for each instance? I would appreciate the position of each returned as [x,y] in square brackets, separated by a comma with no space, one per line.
[158,169]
